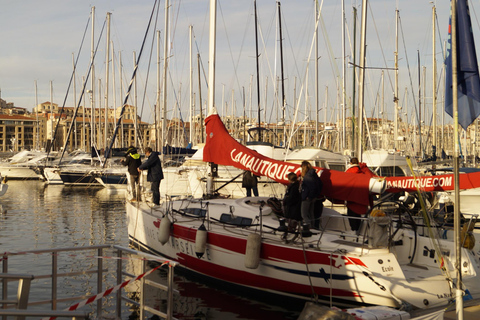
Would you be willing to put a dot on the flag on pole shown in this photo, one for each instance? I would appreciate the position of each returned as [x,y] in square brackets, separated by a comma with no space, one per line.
[468,76]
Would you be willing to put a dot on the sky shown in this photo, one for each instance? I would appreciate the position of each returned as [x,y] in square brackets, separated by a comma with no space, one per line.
[40,39]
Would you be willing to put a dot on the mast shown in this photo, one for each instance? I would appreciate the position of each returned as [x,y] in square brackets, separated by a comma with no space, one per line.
[52,116]
[74,100]
[362,79]
[316,75]
[353,75]
[99,138]
[395,98]
[135,124]
[120,71]
[419,108]
[200,98]
[84,128]
[258,77]
[37,135]
[192,110]
[456,166]
[113,88]
[422,123]
[107,74]
[284,103]
[165,66]
[434,88]
[382,112]
[92,83]
[212,57]
[325,119]
[344,80]
[211,81]
[157,107]
[306,112]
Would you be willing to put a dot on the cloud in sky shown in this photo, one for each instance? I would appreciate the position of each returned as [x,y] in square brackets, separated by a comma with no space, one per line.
[39,37]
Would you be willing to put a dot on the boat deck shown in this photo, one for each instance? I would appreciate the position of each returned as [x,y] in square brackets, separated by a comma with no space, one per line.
[469,313]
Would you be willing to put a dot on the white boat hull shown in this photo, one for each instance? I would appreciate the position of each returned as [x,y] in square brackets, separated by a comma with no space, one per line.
[329,264]
[19,172]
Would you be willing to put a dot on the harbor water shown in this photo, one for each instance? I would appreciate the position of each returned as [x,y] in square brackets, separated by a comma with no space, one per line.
[39,216]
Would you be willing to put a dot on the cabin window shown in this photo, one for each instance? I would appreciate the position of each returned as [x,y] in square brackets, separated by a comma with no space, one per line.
[389,171]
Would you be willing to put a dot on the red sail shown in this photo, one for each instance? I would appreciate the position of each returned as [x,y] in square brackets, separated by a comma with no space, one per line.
[222,149]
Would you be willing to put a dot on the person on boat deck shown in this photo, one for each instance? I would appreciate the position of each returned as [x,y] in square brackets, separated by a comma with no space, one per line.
[133,161]
[249,182]
[292,202]
[311,189]
[155,172]
[353,167]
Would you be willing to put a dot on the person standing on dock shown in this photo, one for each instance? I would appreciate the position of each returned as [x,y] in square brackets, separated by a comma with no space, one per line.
[133,161]
[155,172]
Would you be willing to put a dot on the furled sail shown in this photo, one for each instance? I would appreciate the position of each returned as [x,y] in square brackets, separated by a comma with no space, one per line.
[222,149]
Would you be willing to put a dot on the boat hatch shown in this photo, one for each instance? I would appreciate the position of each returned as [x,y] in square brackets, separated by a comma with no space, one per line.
[238,221]
[196,212]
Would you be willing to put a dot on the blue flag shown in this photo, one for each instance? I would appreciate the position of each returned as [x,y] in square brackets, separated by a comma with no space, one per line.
[467,68]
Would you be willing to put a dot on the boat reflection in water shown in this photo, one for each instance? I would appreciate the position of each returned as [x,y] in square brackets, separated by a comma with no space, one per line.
[194,298]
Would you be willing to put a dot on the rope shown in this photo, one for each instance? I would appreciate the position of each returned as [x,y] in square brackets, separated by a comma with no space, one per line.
[426,218]
[315,296]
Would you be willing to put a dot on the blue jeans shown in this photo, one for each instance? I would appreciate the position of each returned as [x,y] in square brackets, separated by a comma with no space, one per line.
[155,187]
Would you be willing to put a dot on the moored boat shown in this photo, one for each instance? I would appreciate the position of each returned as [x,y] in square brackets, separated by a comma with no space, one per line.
[394,267]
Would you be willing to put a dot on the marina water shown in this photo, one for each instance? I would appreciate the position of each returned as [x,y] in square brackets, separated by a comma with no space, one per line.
[39,216]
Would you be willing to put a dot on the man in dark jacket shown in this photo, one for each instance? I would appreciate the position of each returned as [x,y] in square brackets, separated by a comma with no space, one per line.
[250,182]
[311,190]
[155,172]
[292,202]
[133,161]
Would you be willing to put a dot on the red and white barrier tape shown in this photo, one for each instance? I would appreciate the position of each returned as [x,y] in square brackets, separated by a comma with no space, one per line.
[107,292]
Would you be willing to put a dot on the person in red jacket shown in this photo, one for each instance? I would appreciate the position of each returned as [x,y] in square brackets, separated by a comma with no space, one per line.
[354,167]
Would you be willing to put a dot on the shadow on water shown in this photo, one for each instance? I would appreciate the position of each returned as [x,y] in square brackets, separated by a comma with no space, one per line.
[202,299]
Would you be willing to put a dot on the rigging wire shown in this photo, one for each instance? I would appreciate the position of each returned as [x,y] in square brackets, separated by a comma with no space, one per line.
[380,44]
[68,88]
[139,133]
[82,93]
[240,51]
[408,66]
[107,151]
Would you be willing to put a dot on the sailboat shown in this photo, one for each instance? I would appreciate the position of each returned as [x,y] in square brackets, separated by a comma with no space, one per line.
[25,165]
[244,243]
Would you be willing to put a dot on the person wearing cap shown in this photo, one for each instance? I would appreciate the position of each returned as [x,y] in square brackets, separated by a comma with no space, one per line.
[133,161]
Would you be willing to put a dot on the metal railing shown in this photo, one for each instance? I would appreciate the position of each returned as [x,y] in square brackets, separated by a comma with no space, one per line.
[28,281]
